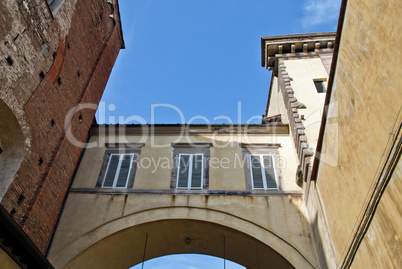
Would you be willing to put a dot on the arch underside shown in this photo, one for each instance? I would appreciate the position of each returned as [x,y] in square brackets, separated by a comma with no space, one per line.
[176,236]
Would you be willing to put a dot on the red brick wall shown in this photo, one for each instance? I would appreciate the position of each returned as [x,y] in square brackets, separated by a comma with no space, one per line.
[77,73]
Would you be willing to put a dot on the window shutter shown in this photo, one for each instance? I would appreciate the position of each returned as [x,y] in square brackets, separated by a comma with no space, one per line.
[269,171]
[256,172]
[196,175]
[111,171]
[124,171]
[184,166]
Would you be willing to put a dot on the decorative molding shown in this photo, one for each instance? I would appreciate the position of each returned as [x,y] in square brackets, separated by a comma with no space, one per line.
[124,145]
[304,152]
[192,145]
[185,129]
[260,145]
[295,46]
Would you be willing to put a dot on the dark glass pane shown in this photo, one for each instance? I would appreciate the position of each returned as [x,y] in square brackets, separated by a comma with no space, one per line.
[319,85]
[124,171]
[256,172]
[269,172]
[111,171]
[184,163]
[196,175]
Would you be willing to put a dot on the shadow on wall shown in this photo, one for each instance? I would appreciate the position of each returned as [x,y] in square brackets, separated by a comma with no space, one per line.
[11,147]
[177,236]
[320,250]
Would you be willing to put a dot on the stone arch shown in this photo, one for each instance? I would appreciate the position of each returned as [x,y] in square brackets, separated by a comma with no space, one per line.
[12,147]
[120,243]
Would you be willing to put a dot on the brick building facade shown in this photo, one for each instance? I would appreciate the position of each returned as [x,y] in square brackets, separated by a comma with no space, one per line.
[53,57]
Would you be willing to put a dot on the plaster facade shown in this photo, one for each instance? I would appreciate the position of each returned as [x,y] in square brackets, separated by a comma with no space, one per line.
[274,220]
[361,190]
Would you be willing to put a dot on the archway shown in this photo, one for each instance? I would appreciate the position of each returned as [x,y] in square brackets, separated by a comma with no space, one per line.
[11,147]
[125,248]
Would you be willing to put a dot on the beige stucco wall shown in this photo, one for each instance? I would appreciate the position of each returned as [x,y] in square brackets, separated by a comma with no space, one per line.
[303,72]
[276,103]
[368,97]
[6,261]
[275,224]
[226,170]
[90,218]
[382,242]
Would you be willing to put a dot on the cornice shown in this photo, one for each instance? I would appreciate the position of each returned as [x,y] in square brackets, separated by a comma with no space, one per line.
[192,129]
[301,45]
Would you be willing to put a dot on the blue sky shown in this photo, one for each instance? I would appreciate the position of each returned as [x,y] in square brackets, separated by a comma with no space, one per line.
[187,261]
[201,58]
[199,61]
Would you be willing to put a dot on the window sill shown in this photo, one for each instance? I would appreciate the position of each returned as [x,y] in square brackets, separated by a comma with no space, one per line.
[296,193]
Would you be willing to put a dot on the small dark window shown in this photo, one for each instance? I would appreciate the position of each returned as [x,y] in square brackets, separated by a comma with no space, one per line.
[40,161]
[15,38]
[12,213]
[41,75]
[59,81]
[1,151]
[319,85]
[78,74]
[20,199]
[80,118]
[9,61]
[52,122]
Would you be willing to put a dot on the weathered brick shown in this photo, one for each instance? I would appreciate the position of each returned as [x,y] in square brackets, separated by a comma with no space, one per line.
[59,48]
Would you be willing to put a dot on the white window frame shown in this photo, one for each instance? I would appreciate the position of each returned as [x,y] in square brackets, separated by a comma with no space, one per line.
[264,179]
[116,175]
[190,171]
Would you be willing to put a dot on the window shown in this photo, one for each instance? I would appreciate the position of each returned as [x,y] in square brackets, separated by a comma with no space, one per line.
[119,166]
[54,5]
[190,171]
[118,170]
[262,172]
[262,167]
[320,86]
